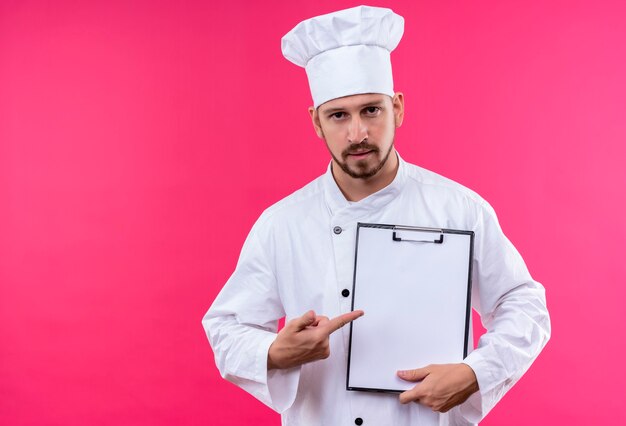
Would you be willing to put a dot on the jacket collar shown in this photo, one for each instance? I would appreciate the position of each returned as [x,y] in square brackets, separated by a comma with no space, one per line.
[338,205]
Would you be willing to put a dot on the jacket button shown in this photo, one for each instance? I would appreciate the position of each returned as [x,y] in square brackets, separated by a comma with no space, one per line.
[345,292]
[337,230]
[358,421]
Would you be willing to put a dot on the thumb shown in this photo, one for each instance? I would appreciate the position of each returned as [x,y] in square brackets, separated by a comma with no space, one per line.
[414,375]
[304,321]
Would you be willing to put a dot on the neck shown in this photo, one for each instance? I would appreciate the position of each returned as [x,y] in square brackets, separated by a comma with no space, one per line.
[356,189]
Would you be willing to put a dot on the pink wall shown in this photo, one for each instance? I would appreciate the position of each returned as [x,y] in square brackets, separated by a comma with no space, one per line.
[140,140]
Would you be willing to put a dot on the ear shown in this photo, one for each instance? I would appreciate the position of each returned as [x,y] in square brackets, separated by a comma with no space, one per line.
[315,118]
[398,108]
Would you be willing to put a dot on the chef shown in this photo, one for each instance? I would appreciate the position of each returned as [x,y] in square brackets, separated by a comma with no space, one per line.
[298,260]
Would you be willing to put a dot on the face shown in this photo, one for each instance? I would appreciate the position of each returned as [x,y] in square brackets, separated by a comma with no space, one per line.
[359,131]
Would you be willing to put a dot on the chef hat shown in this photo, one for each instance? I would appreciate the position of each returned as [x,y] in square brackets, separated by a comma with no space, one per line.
[346,52]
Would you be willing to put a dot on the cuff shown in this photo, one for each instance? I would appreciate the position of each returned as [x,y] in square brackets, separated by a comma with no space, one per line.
[475,409]
[282,384]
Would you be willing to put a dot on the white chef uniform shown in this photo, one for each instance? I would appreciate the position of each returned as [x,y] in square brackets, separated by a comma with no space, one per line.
[300,256]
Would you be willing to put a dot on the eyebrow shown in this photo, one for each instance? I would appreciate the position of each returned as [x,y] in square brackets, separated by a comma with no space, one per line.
[331,111]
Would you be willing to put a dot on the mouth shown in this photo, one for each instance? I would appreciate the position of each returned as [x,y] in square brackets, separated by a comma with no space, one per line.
[360,154]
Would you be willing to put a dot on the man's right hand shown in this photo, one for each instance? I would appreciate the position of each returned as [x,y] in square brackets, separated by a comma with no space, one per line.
[305,339]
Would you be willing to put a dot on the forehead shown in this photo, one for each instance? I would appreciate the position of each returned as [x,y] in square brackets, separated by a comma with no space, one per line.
[353,102]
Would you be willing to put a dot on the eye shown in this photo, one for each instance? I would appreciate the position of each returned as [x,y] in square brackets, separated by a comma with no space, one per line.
[337,115]
[372,110]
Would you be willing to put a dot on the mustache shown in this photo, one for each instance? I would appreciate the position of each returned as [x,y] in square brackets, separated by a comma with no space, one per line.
[360,147]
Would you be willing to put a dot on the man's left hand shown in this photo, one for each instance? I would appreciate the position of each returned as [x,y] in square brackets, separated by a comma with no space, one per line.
[442,386]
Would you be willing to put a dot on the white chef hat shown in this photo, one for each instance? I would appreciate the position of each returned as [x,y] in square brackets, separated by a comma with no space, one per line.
[346,52]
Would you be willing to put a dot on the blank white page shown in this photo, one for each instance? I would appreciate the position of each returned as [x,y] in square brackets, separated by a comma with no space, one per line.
[416,301]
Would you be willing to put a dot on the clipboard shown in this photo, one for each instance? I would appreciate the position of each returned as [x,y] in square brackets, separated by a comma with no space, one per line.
[414,285]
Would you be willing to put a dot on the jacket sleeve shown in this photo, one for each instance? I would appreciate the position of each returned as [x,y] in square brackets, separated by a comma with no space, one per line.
[513,310]
[241,324]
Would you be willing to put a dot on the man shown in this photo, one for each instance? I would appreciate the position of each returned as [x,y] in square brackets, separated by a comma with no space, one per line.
[298,259]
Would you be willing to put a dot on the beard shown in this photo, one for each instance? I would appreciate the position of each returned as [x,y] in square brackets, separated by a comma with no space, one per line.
[363,169]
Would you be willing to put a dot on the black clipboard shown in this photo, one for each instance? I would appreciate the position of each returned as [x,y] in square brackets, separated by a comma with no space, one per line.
[414,285]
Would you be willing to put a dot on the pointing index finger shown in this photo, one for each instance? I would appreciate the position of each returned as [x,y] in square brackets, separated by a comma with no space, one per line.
[341,320]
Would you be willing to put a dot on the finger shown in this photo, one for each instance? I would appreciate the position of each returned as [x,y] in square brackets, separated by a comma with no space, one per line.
[338,322]
[410,395]
[414,375]
[319,319]
[304,321]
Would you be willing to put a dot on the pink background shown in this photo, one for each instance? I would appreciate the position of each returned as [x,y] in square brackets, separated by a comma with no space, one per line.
[140,140]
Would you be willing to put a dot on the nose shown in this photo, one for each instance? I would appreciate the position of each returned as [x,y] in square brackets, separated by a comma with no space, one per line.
[357,131]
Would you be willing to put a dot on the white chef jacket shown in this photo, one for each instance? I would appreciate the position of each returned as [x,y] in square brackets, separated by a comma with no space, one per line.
[299,256]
